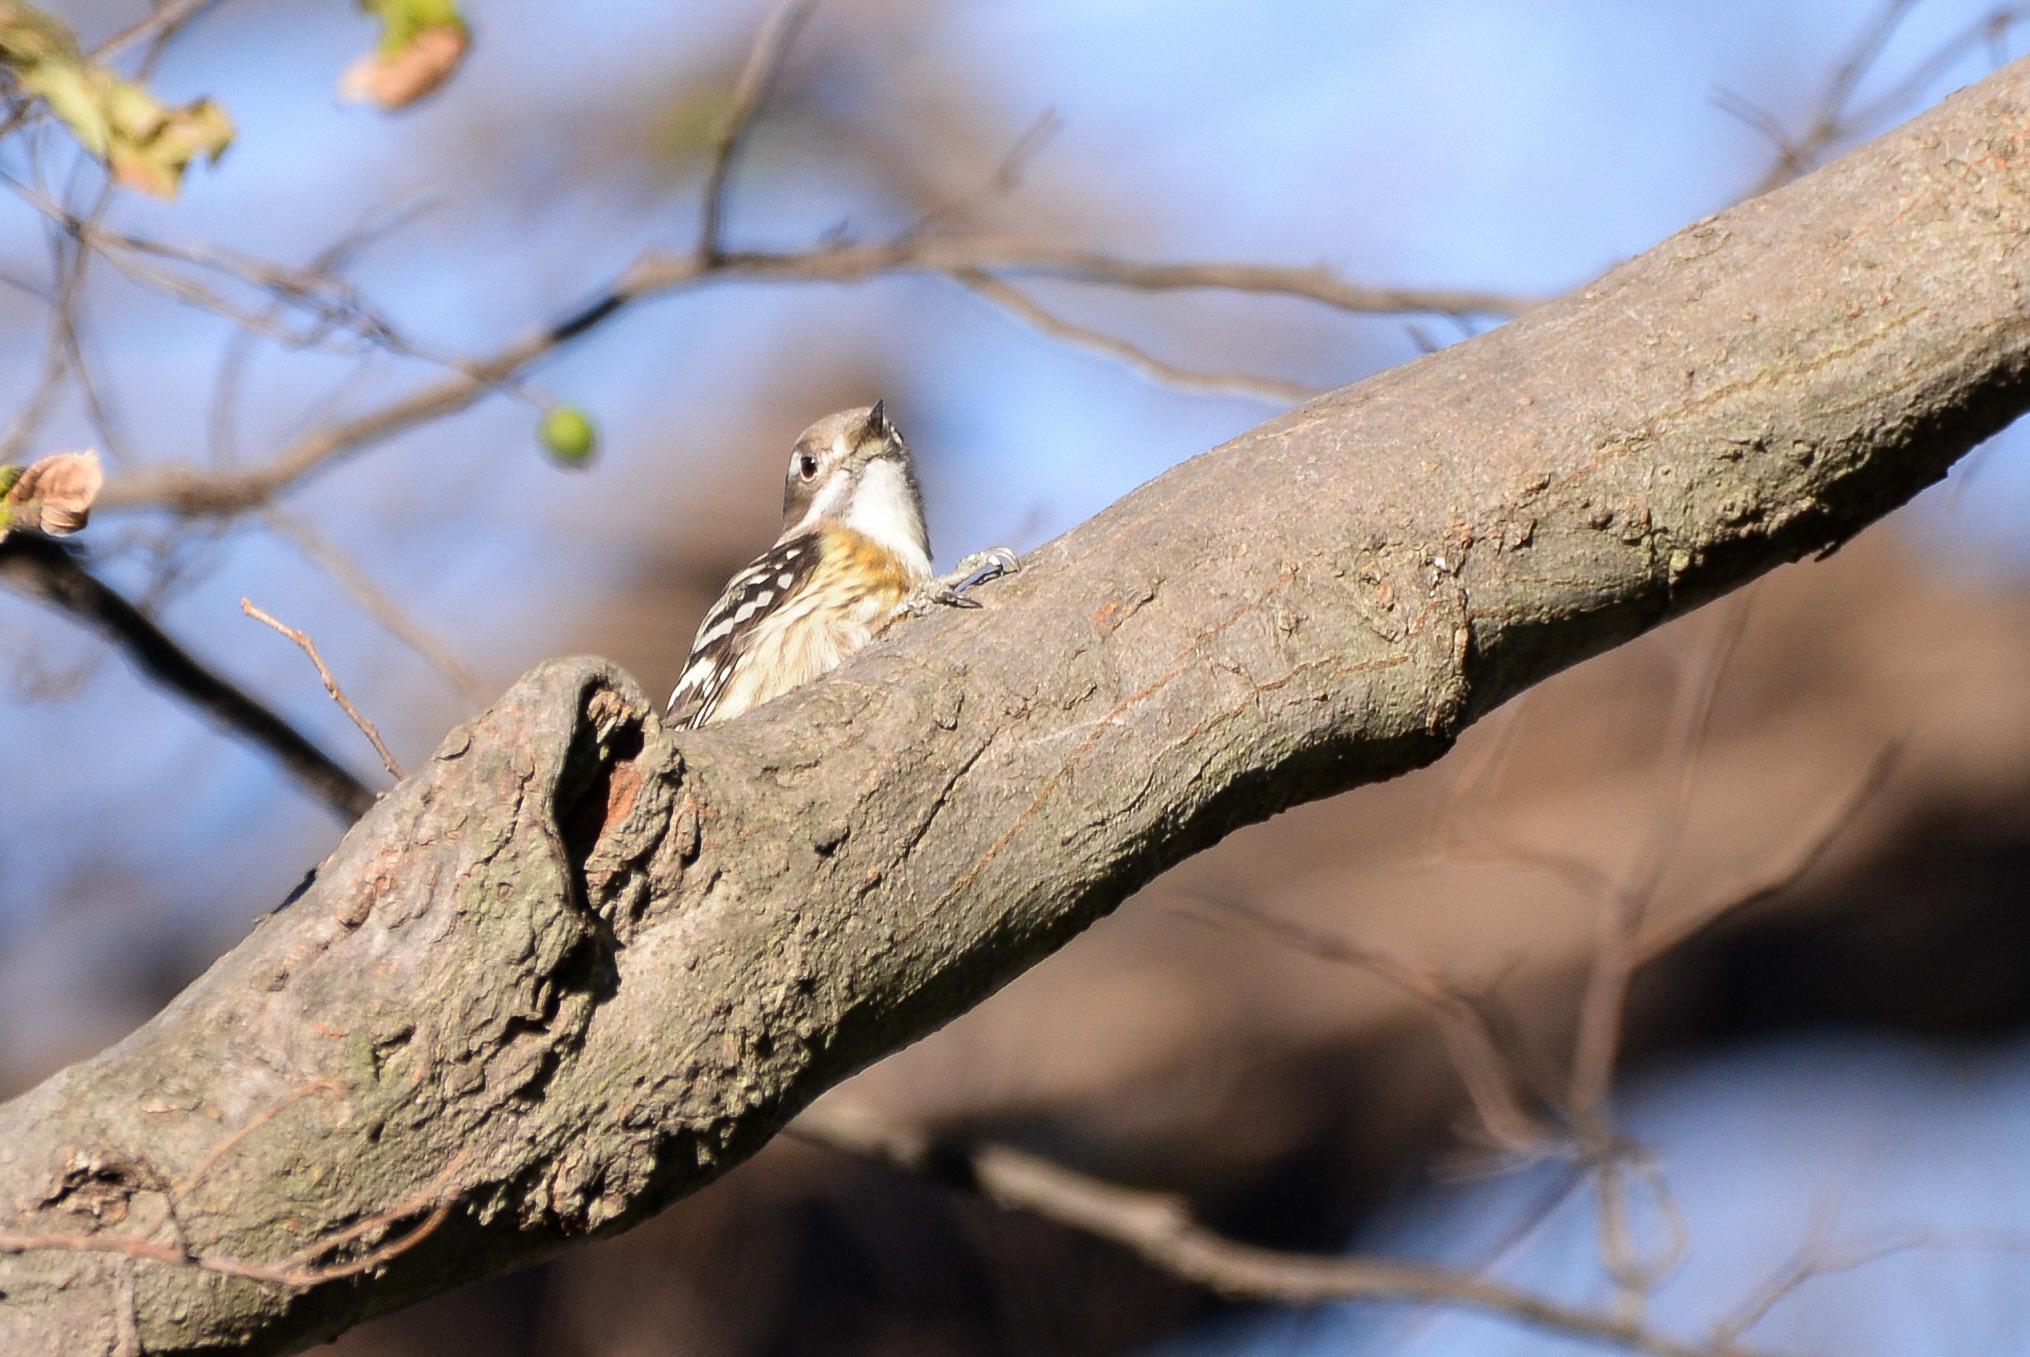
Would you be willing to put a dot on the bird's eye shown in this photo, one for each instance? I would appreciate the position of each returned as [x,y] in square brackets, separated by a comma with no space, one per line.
[806,466]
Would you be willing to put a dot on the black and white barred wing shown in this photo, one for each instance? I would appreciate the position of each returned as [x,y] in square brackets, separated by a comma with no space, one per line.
[748,599]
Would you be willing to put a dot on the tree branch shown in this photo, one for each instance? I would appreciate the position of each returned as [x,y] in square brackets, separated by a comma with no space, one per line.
[1160,1230]
[309,648]
[1026,308]
[579,963]
[771,45]
[189,490]
[48,572]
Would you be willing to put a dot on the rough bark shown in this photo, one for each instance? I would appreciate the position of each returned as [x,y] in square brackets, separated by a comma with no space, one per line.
[578,965]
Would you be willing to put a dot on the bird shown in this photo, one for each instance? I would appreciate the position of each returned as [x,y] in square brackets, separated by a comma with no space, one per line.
[853,556]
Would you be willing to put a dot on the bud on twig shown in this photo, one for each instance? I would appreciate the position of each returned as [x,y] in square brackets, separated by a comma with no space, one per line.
[53,496]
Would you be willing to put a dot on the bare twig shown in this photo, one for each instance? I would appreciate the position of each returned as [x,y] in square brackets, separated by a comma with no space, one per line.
[1990,30]
[771,44]
[1816,1258]
[333,309]
[189,1182]
[1470,1041]
[309,647]
[1830,118]
[167,18]
[293,1275]
[327,263]
[48,571]
[1603,1005]
[1018,303]
[1835,117]
[1605,999]
[1007,175]
[1159,1229]
[69,264]
[376,603]
[1478,771]
[1661,937]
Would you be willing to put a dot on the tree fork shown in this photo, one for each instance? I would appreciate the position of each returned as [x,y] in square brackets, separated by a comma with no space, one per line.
[578,965]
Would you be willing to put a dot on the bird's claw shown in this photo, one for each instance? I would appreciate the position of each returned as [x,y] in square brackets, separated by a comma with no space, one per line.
[950,590]
[982,566]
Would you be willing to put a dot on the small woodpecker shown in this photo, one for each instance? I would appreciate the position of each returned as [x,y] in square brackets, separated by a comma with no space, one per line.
[853,555]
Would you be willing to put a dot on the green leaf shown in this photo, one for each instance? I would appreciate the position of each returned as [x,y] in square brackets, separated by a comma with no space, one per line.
[144,142]
[9,476]
[568,435]
[403,21]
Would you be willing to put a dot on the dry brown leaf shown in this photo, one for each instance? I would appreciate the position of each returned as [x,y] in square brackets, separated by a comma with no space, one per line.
[145,143]
[397,79]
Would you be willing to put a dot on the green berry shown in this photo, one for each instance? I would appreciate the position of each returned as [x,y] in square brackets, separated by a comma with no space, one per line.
[568,435]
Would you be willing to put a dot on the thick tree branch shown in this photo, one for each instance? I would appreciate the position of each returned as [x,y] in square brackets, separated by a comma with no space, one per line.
[579,964]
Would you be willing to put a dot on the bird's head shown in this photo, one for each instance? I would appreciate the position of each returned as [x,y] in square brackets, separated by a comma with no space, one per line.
[852,469]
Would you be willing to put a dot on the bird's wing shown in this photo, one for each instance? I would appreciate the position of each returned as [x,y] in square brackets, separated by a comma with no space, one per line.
[747,599]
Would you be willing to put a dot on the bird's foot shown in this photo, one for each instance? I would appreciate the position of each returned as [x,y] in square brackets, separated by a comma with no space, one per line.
[951,590]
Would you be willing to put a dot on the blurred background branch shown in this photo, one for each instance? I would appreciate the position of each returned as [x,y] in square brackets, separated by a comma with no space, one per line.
[50,573]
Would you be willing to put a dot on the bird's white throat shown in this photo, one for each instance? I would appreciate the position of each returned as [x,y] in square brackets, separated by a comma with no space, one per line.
[884,507]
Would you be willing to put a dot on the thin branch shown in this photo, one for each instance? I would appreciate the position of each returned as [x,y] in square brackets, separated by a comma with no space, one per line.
[1829,122]
[1603,1004]
[69,263]
[1582,875]
[1477,771]
[47,571]
[225,1146]
[330,304]
[1463,1024]
[1005,179]
[1159,1229]
[1020,304]
[764,59]
[328,262]
[1990,30]
[1605,998]
[167,18]
[1815,1259]
[292,1275]
[1662,937]
[309,647]
[1694,725]
[333,309]
[186,490]
[376,603]
[1835,118]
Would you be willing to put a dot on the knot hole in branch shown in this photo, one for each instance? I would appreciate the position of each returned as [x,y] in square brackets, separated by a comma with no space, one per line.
[602,775]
